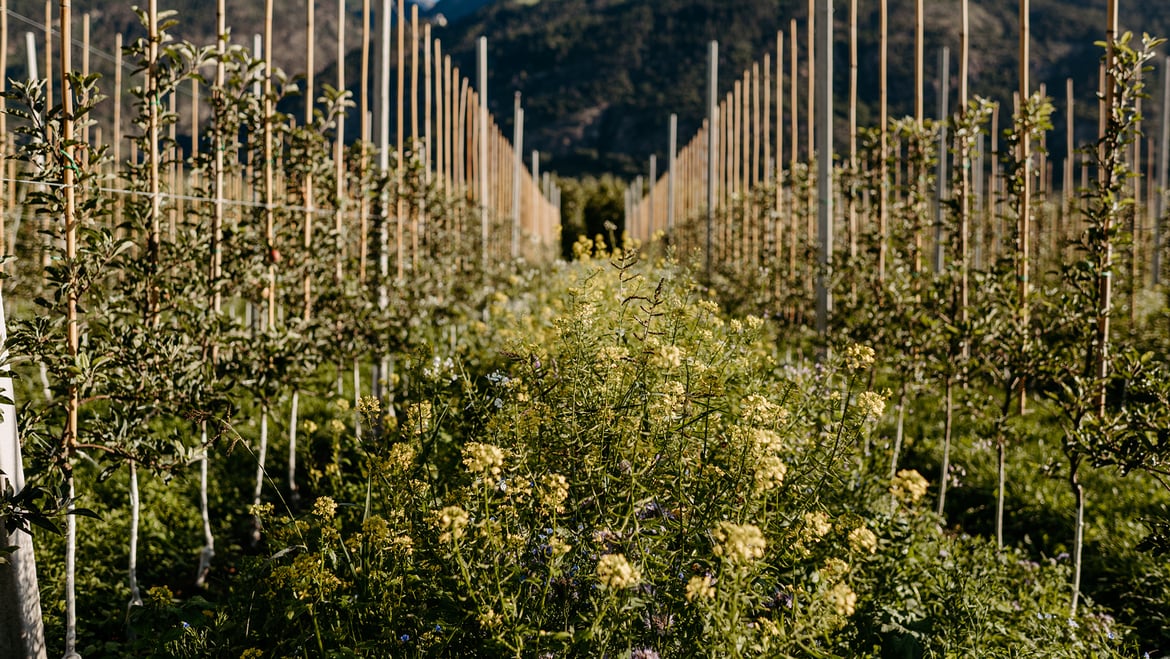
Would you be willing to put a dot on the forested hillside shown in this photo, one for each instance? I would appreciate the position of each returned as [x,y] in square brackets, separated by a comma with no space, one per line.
[602,76]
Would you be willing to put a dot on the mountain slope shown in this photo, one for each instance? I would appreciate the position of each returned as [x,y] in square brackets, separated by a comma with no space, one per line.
[601,77]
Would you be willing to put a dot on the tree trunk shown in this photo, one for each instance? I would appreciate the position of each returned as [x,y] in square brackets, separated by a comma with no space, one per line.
[21,629]
[946,460]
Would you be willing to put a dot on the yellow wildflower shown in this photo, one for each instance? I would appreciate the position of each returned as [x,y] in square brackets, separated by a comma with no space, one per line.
[702,588]
[909,486]
[843,599]
[483,458]
[739,543]
[858,357]
[615,572]
[862,540]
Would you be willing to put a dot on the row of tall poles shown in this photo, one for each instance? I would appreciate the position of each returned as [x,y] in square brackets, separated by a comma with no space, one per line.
[454,148]
[731,178]
[464,152]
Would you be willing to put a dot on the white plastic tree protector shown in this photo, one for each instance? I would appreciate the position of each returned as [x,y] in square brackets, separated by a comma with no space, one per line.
[21,629]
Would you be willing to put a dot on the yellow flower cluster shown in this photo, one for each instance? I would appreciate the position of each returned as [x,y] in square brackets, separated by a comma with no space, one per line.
[160,596]
[554,489]
[483,458]
[490,619]
[401,456]
[843,599]
[739,543]
[610,355]
[670,403]
[834,570]
[325,507]
[909,486]
[770,473]
[701,588]
[670,356]
[615,572]
[862,540]
[558,547]
[766,442]
[871,404]
[369,407]
[419,417]
[858,357]
[452,522]
[758,411]
[817,524]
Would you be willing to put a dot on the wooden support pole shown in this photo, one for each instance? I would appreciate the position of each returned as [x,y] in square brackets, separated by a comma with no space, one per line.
[366,138]
[824,132]
[482,67]
[269,170]
[72,313]
[517,171]
[5,186]
[793,116]
[428,122]
[883,138]
[340,204]
[414,132]
[1163,162]
[307,280]
[671,177]
[84,66]
[712,146]
[400,146]
[940,199]
[851,200]
[919,57]
[1025,156]
[1067,209]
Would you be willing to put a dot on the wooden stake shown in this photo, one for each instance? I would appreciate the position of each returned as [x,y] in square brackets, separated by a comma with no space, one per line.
[1163,166]
[269,171]
[672,177]
[400,145]
[517,168]
[1069,189]
[483,152]
[883,139]
[414,133]
[85,66]
[428,120]
[154,99]
[712,146]
[1025,156]
[853,168]
[366,138]
[72,322]
[944,68]
[793,115]
[919,58]
[307,280]
[4,151]
[810,91]
[339,154]
[824,130]
[964,183]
